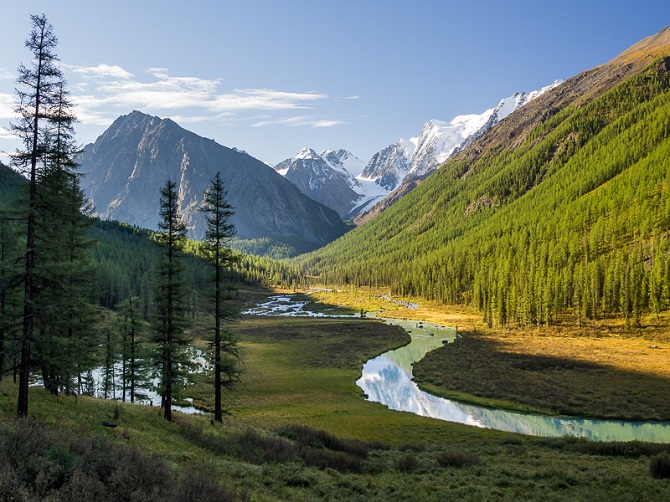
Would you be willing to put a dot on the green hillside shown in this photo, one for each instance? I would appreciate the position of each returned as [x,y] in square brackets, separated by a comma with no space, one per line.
[575,218]
[10,182]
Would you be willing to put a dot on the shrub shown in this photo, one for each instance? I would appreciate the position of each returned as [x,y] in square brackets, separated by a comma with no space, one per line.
[407,463]
[659,465]
[457,459]
[307,436]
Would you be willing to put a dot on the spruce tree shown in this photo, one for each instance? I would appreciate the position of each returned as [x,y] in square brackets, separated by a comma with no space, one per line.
[63,312]
[221,257]
[171,299]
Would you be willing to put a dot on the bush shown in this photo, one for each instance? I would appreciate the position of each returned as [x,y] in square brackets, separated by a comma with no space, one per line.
[38,462]
[457,459]
[307,436]
[659,465]
[407,463]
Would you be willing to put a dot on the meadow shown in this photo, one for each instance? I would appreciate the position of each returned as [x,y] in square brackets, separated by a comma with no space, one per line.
[298,428]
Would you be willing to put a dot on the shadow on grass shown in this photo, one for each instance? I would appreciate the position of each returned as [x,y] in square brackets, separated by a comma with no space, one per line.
[484,367]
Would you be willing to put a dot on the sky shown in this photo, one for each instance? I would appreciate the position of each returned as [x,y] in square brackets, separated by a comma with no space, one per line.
[271,77]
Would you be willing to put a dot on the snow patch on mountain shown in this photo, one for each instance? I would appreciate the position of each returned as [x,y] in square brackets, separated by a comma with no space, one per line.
[330,178]
[343,182]
[438,141]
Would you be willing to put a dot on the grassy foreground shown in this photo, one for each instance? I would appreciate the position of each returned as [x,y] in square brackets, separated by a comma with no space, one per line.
[299,380]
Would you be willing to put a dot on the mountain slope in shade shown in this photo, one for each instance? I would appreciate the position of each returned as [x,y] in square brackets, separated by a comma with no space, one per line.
[128,164]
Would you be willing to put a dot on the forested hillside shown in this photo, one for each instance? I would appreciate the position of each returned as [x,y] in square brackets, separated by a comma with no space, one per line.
[570,216]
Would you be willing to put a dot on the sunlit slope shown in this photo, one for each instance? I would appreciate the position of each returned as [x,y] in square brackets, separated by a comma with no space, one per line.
[584,194]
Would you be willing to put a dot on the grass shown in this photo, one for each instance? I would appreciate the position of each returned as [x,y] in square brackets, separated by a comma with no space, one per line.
[553,372]
[598,370]
[298,428]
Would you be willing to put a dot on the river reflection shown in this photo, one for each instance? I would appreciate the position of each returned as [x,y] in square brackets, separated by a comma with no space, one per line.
[387,379]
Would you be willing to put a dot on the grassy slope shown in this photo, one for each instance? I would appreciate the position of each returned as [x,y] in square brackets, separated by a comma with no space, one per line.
[301,371]
[558,370]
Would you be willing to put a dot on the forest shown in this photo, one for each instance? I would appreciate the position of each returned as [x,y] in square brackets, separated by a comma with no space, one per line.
[571,223]
[574,221]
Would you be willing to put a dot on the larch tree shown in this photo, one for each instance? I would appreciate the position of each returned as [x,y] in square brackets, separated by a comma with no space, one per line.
[218,253]
[63,311]
[171,299]
[39,84]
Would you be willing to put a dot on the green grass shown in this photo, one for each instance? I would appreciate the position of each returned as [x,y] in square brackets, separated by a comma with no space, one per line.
[300,378]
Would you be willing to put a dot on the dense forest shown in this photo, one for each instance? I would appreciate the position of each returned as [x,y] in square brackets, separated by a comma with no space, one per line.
[573,220]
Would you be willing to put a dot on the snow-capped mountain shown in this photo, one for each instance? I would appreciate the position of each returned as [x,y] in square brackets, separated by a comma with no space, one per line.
[339,180]
[330,178]
[439,140]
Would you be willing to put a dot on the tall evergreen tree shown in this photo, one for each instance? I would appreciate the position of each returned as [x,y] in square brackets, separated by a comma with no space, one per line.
[171,298]
[135,380]
[39,87]
[221,257]
[63,312]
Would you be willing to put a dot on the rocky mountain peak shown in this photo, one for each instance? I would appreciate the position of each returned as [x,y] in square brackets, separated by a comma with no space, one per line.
[128,164]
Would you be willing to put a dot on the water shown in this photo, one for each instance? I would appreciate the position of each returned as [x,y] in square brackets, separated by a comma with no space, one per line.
[387,379]
[147,395]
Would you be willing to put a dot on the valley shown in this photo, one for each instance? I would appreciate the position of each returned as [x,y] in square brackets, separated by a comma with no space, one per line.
[479,312]
[299,380]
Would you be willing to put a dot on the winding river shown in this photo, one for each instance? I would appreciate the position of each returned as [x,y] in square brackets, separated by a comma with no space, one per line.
[387,379]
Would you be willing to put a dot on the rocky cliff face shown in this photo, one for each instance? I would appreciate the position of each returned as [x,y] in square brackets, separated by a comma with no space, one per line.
[126,166]
[320,180]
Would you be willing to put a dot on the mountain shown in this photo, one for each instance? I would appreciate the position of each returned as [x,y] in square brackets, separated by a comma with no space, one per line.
[439,140]
[339,180]
[330,178]
[561,209]
[126,166]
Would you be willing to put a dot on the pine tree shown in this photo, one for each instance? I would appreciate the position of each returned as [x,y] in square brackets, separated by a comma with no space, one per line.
[171,299]
[63,312]
[221,257]
[134,375]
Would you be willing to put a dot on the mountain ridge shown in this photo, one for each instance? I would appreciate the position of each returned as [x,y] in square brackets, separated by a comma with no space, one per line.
[131,160]
[407,161]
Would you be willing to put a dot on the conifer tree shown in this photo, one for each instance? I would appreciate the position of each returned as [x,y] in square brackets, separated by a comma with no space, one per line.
[221,257]
[134,372]
[171,299]
[63,312]
[40,85]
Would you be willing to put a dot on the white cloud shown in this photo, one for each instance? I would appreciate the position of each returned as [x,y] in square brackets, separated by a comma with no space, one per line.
[264,99]
[7,106]
[101,71]
[5,75]
[6,134]
[110,88]
[299,121]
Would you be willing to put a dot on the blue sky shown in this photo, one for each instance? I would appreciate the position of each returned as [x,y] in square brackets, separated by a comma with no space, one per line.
[271,77]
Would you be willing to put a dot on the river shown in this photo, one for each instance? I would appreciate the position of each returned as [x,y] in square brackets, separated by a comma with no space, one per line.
[387,379]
